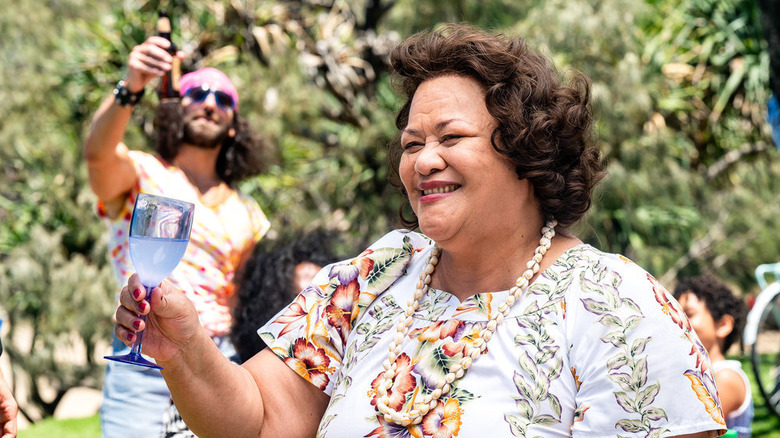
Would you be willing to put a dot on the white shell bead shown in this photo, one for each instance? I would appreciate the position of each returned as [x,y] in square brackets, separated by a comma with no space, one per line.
[470,353]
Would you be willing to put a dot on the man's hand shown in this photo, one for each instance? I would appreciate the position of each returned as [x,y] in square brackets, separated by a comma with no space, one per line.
[149,60]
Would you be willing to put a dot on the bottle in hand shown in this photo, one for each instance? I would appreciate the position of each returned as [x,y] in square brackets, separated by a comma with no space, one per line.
[169,83]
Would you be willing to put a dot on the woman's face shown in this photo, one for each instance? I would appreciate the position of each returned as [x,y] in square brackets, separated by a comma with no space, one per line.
[457,184]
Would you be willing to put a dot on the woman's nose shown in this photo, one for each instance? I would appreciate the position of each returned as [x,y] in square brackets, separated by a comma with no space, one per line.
[429,159]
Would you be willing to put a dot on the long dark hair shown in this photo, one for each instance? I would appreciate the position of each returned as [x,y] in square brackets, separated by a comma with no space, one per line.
[265,283]
[544,124]
[245,155]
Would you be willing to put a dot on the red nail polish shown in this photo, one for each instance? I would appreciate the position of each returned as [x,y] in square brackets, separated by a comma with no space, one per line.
[136,324]
[137,293]
[142,306]
[130,336]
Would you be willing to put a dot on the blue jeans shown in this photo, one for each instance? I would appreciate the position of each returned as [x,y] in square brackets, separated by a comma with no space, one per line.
[135,398]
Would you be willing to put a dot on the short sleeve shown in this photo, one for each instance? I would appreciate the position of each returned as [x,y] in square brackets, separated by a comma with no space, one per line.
[310,335]
[257,218]
[639,367]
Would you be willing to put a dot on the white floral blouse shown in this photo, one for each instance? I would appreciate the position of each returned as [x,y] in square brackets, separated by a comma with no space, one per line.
[595,347]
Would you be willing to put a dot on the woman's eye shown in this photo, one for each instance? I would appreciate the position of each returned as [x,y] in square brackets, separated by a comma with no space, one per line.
[410,145]
[448,138]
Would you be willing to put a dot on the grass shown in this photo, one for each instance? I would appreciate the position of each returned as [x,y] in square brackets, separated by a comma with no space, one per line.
[765,424]
[88,427]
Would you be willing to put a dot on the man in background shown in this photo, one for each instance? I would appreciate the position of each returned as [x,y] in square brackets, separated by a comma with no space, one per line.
[202,150]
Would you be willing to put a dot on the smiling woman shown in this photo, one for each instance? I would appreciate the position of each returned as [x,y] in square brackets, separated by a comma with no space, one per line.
[494,319]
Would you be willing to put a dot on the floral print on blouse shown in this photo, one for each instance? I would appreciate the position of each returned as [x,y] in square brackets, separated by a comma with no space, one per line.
[594,347]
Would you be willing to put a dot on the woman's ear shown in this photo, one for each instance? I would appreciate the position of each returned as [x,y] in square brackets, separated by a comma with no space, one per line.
[724,326]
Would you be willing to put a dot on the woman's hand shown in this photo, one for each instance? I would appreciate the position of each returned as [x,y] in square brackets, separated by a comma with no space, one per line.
[171,319]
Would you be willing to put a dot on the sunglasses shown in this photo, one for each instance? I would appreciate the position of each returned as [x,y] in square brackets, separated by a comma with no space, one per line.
[199,94]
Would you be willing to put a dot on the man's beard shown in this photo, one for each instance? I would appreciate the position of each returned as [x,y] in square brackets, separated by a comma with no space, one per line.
[195,137]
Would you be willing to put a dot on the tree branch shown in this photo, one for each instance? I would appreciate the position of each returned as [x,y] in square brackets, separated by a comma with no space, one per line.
[732,157]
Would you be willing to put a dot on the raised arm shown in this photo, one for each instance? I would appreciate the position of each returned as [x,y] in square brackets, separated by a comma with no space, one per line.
[111,174]
[217,398]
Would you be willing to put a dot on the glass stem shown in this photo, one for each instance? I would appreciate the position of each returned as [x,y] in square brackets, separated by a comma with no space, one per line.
[139,336]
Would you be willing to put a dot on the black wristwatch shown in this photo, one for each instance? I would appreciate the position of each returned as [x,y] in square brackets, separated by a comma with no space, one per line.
[125,97]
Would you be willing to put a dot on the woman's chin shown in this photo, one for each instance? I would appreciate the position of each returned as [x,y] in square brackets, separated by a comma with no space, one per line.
[436,230]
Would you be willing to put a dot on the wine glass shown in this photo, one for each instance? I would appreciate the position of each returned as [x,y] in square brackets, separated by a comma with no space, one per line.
[159,233]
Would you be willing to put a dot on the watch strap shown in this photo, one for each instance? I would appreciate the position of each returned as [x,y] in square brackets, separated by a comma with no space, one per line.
[125,97]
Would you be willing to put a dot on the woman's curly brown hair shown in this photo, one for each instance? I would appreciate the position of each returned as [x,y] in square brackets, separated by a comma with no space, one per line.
[544,125]
[242,156]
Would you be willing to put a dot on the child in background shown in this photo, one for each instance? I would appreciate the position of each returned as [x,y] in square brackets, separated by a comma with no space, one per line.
[271,279]
[718,317]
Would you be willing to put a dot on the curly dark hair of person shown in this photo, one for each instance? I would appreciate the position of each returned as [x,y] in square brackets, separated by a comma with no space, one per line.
[544,125]
[243,156]
[719,300]
[266,284]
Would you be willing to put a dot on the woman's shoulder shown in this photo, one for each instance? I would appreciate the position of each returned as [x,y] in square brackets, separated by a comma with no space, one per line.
[584,257]
[593,276]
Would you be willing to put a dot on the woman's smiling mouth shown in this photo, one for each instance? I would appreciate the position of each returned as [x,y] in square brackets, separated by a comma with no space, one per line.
[439,190]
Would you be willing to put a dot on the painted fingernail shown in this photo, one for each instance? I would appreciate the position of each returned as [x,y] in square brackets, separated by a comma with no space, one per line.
[137,293]
[137,324]
[130,336]
[142,306]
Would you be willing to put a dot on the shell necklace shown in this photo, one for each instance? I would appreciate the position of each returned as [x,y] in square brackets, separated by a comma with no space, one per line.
[417,410]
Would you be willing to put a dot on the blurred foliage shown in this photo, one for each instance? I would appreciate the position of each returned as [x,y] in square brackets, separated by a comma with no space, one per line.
[679,91]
